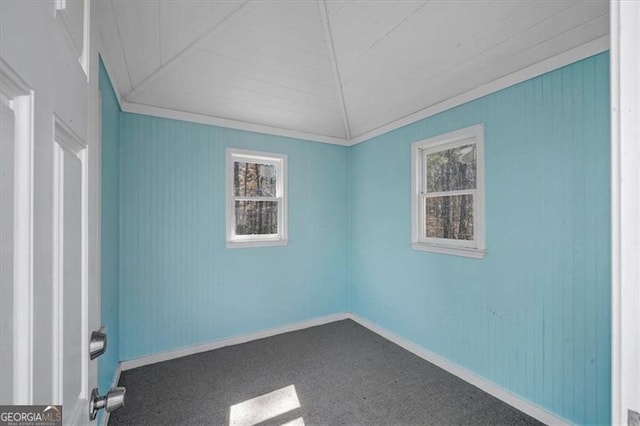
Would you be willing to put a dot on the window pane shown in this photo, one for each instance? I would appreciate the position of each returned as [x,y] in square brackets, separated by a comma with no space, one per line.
[452,169]
[449,217]
[254,179]
[256,217]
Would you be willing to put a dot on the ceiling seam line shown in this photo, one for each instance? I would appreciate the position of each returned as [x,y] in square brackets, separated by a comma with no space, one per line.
[134,107]
[527,29]
[124,54]
[596,46]
[503,60]
[194,44]
[379,40]
[160,31]
[324,15]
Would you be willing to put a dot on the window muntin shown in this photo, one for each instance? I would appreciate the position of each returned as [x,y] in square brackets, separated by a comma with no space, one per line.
[448,193]
[256,201]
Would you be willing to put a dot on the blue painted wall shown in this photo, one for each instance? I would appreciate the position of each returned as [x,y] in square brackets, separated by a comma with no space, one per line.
[110,250]
[534,315]
[179,284]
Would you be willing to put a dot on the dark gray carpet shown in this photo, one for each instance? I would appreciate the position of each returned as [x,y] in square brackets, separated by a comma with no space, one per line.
[343,374]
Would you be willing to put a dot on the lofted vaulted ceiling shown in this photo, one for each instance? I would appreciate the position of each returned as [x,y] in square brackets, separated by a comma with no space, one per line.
[337,70]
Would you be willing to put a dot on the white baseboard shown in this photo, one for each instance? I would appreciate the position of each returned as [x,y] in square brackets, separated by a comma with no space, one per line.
[502,394]
[114,383]
[499,392]
[165,356]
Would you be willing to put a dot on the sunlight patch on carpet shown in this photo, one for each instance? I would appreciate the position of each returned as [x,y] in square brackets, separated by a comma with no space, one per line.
[265,407]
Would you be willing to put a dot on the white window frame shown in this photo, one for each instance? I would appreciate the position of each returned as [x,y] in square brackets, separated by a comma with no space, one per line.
[280,161]
[469,248]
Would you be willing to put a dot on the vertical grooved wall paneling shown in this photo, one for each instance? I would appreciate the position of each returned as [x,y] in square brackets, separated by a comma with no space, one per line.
[179,284]
[534,315]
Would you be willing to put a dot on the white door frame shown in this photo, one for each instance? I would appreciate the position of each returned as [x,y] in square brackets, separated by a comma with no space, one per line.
[625,209]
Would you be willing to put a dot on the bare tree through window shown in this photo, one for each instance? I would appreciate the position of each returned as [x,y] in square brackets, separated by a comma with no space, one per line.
[447,186]
[259,181]
[256,198]
[450,171]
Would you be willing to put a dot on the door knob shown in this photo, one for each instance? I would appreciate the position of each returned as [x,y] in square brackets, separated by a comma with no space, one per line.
[113,400]
[97,343]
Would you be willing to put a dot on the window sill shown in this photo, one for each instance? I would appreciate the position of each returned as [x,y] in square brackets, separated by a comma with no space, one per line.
[256,243]
[456,251]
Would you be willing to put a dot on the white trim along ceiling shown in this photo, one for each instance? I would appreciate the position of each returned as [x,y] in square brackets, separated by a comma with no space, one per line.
[340,72]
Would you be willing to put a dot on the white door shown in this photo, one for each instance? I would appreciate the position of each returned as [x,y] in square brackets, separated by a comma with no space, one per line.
[49,194]
[70,328]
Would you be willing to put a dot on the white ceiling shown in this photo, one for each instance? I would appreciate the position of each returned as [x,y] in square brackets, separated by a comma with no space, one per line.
[334,69]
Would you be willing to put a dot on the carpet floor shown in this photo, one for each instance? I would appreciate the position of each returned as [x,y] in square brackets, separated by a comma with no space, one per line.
[335,374]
